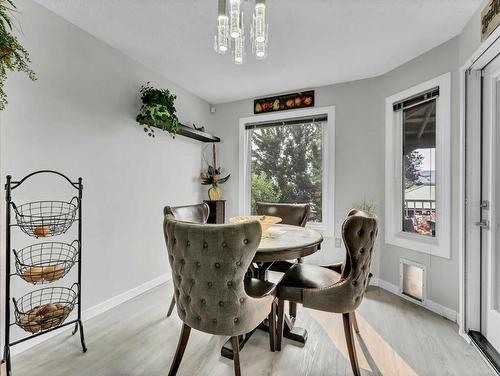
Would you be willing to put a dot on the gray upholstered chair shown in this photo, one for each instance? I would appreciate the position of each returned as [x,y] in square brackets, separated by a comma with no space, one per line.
[197,213]
[324,289]
[209,264]
[290,214]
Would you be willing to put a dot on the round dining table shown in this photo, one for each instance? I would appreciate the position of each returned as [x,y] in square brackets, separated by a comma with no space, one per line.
[281,243]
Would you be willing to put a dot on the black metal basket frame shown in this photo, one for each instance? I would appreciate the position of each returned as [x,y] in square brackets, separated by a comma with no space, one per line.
[47,259]
[78,326]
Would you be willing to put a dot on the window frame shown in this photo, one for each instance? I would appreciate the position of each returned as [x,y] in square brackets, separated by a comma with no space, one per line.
[326,227]
[440,244]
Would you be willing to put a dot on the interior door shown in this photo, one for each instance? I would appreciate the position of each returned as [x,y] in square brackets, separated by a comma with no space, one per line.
[490,205]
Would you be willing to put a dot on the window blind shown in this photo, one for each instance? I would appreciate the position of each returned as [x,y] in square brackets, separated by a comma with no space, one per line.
[293,121]
[416,99]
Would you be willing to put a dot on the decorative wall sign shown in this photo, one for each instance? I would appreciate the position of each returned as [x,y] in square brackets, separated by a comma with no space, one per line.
[284,102]
[490,18]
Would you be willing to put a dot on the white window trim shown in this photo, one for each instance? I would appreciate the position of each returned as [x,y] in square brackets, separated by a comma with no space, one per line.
[327,226]
[440,245]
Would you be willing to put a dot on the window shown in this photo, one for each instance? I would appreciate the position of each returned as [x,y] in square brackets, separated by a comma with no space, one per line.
[287,163]
[288,158]
[418,167]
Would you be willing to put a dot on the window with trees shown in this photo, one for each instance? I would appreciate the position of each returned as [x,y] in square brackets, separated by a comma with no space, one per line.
[286,162]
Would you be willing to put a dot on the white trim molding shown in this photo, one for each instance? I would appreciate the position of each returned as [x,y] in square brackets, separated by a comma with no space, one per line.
[440,245]
[328,194]
[97,310]
[432,306]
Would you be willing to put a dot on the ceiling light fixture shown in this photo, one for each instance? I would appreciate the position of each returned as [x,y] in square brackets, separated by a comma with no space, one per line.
[231,31]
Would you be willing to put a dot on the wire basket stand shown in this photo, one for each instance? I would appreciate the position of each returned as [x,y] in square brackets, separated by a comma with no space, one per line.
[46,309]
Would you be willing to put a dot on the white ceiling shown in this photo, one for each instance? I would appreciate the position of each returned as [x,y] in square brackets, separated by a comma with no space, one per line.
[312,42]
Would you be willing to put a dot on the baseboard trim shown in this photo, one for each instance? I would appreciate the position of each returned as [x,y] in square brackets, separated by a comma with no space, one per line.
[95,311]
[428,304]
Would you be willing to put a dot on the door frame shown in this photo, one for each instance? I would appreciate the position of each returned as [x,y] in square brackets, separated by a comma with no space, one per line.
[469,317]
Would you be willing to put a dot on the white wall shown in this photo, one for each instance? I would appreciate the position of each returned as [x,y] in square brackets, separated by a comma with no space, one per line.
[359,160]
[79,118]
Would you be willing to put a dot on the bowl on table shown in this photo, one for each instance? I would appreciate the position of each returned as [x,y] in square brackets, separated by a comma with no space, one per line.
[265,221]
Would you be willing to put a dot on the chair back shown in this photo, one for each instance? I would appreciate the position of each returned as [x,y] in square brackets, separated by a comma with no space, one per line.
[291,214]
[209,263]
[197,213]
[359,232]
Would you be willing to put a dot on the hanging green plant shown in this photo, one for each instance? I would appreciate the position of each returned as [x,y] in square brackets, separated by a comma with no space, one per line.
[158,110]
[13,56]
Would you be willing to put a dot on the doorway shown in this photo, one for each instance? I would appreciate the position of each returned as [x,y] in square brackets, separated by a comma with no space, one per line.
[482,208]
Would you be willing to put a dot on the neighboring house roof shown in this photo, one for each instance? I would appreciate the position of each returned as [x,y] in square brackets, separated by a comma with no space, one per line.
[421,192]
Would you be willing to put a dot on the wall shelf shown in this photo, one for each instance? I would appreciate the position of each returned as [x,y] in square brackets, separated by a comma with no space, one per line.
[196,134]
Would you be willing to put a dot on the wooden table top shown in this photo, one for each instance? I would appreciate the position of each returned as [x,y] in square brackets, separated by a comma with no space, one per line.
[286,242]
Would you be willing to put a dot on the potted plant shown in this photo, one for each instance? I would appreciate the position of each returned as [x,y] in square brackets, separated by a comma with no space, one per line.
[13,56]
[212,176]
[158,110]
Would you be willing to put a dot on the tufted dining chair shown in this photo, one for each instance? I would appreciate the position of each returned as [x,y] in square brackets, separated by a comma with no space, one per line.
[197,213]
[290,214]
[324,289]
[209,264]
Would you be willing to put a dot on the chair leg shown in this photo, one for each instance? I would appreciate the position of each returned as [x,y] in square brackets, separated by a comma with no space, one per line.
[272,327]
[354,322]
[351,348]
[281,321]
[171,308]
[181,346]
[292,309]
[236,355]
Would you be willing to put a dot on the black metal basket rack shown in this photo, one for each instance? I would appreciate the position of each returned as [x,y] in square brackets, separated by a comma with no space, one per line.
[46,309]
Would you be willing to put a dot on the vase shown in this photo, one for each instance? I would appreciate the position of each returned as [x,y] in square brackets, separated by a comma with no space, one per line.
[215,194]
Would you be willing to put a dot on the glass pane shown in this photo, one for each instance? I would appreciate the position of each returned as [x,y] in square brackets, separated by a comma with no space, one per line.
[287,165]
[419,169]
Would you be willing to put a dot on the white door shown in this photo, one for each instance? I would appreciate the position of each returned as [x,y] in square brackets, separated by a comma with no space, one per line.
[490,212]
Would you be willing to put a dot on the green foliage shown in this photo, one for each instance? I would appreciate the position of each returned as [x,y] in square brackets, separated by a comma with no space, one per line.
[412,165]
[263,190]
[158,110]
[291,157]
[368,207]
[13,56]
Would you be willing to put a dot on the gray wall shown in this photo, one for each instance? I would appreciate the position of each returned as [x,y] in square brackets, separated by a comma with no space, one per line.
[79,118]
[360,158]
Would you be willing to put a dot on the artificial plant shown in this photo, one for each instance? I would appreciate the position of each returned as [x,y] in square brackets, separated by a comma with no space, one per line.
[158,110]
[13,56]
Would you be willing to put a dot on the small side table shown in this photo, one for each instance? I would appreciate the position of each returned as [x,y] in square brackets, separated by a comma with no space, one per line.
[217,211]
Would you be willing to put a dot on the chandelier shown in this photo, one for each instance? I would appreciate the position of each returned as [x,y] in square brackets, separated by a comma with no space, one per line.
[231,31]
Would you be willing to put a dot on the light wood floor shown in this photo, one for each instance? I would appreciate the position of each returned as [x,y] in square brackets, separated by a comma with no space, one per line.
[397,338]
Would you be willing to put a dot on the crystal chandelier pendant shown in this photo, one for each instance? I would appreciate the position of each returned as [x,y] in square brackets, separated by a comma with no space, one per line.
[221,39]
[239,45]
[260,31]
[234,18]
[230,33]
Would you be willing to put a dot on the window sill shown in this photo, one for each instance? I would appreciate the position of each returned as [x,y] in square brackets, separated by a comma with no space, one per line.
[419,243]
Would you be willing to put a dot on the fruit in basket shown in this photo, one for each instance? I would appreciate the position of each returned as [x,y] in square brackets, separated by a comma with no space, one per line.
[290,103]
[44,317]
[276,104]
[298,101]
[41,231]
[308,101]
[258,108]
[33,274]
[53,272]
